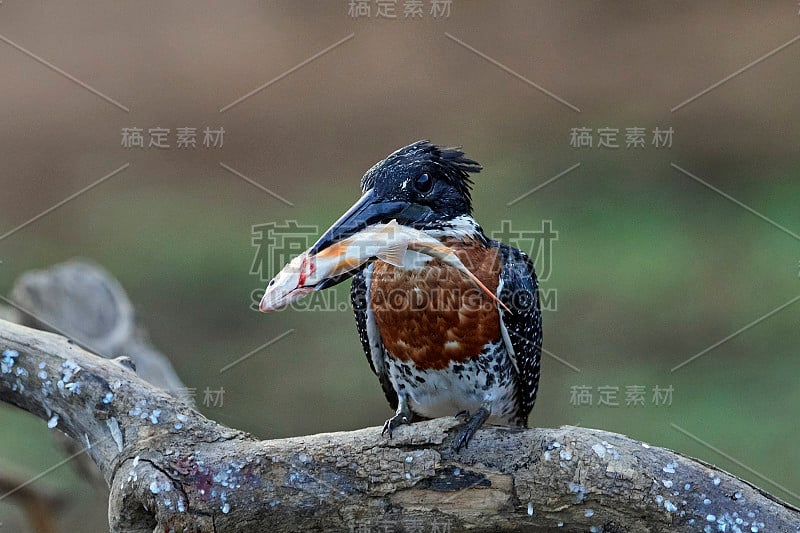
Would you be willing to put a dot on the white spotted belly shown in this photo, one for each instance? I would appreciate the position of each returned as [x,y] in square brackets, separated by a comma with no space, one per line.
[489,378]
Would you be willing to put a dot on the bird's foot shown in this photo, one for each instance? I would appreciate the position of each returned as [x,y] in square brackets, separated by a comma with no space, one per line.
[402,417]
[474,422]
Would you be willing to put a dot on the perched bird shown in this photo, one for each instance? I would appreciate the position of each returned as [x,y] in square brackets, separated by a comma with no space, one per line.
[439,346]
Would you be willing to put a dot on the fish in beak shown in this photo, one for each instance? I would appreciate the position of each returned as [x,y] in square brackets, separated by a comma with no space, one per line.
[312,271]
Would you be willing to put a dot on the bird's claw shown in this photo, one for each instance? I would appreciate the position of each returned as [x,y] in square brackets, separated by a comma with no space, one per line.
[473,423]
[393,423]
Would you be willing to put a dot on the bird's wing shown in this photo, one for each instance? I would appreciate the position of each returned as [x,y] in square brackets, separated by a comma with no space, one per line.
[371,340]
[521,325]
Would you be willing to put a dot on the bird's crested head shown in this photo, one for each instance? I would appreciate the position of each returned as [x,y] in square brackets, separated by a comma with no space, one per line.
[422,186]
[425,174]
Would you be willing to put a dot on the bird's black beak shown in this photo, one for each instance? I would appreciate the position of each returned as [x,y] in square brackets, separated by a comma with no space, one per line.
[371,210]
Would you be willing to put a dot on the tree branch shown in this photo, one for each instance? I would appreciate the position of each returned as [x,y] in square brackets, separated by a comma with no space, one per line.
[81,301]
[170,468]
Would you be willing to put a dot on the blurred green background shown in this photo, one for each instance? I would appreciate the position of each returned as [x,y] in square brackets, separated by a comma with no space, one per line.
[650,266]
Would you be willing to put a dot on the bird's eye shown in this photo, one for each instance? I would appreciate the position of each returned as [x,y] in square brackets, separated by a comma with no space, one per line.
[423,183]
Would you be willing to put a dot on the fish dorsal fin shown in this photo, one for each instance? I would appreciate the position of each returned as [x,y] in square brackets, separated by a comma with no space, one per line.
[394,253]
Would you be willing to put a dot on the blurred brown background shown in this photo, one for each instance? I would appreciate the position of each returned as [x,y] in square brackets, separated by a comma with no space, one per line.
[651,266]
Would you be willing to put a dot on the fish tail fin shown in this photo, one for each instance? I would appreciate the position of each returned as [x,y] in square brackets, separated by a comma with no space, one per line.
[485,289]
